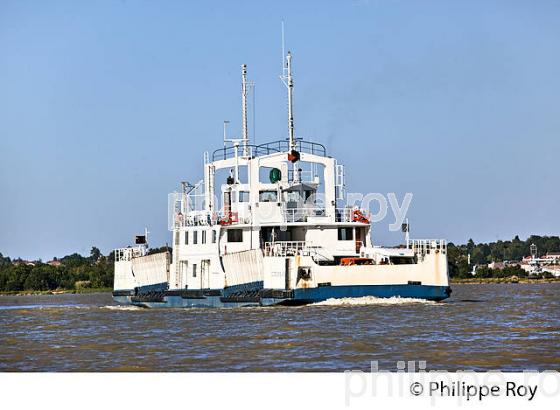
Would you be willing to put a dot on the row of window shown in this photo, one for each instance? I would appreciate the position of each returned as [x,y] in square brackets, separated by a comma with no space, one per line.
[344,234]
[194,237]
[236,235]
[272,196]
[233,235]
[264,196]
[204,268]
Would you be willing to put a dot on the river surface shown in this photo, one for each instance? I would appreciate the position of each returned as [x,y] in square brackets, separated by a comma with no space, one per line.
[511,327]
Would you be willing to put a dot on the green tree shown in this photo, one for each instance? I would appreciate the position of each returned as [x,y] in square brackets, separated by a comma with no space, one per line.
[95,254]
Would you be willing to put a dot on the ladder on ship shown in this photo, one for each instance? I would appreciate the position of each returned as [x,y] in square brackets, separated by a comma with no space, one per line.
[176,258]
[339,184]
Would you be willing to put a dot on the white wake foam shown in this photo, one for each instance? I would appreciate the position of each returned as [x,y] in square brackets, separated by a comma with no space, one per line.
[41,307]
[372,300]
[122,307]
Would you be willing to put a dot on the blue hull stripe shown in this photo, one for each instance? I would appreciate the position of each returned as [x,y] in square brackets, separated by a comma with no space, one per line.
[302,296]
[381,291]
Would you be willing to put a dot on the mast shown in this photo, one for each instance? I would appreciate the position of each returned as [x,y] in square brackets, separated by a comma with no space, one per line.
[290,85]
[244,109]
[288,81]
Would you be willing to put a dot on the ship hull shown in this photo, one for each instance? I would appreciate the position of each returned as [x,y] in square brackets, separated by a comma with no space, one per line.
[216,298]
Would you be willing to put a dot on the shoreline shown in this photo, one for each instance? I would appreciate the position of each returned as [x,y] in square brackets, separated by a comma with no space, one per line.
[511,279]
[55,292]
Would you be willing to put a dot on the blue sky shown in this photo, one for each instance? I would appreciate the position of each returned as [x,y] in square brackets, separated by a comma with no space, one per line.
[105,106]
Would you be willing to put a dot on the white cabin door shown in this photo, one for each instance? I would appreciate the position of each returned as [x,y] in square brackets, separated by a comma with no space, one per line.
[184,273]
[205,274]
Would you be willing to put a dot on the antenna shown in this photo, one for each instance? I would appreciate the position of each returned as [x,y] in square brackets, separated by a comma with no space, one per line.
[283,46]
[290,110]
[288,81]
[407,233]
[405,227]
[244,109]
[254,104]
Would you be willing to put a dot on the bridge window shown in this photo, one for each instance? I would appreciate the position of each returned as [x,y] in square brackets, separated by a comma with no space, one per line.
[214,234]
[203,236]
[235,235]
[194,269]
[243,196]
[292,196]
[186,237]
[345,234]
[195,237]
[268,196]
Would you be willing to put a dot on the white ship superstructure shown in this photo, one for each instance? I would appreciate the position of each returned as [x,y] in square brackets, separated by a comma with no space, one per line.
[267,225]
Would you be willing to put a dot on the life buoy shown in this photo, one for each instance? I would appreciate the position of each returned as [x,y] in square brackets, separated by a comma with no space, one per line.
[226,220]
[360,217]
[229,218]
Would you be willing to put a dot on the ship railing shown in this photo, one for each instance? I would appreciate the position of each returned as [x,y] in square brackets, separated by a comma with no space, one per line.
[284,146]
[233,218]
[127,254]
[229,152]
[305,176]
[427,246]
[301,214]
[350,214]
[290,248]
[271,148]
[344,214]
[347,214]
[206,218]
[201,218]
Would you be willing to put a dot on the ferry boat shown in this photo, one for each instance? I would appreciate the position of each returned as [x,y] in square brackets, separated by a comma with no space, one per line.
[280,236]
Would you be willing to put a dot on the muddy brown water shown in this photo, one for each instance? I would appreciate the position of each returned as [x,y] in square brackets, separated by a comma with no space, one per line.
[510,327]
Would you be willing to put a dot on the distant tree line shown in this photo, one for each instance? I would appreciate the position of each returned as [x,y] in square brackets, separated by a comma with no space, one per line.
[501,251]
[70,272]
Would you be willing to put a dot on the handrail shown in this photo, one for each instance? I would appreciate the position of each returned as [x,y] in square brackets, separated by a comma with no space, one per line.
[229,152]
[208,218]
[284,145]
[343,214]
[291,215]
[352,214]
[301,214]
[289,248]
[272,148]
[424,246]
[127,254]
